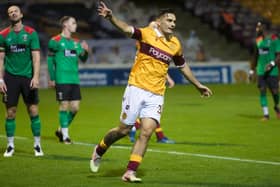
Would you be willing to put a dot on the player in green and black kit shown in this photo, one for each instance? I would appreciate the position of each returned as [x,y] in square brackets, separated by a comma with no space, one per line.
[266,69]
[63,58]
[19,74]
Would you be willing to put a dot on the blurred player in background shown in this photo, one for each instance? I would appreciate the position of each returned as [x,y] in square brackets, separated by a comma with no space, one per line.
[144,94]
[63,59]
[265,67]
[19,74]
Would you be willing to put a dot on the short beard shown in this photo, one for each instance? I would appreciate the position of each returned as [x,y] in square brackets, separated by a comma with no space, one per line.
[14,22]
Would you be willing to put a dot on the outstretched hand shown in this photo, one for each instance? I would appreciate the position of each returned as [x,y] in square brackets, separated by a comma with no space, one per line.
[104,11]
[84,45]
[204,91]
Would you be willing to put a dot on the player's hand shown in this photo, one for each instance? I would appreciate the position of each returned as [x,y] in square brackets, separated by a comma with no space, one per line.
[171,83]
[3,87]
[268,67]
[104,11]
[204,91]
[84,45]
[251,76]
[34,83]
[51,84]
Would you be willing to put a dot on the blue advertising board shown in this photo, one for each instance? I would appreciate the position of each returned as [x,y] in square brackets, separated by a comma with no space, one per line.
[119,76]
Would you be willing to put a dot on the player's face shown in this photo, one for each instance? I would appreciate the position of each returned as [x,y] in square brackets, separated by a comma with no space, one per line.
[167,23]
[71,25]
[14,14]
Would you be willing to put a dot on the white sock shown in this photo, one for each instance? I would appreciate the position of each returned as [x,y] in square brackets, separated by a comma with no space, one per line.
[37,140]
[265,110]
[65,133]
[11,141]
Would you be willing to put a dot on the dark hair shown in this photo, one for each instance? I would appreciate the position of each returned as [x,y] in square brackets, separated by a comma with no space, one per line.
[63,19]
[165,11]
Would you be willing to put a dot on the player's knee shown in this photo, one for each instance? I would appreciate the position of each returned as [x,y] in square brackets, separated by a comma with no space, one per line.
[64,105]
[33,110]
[263,92]
[75,109]
[11,113]
[146,132]
[274,91]
[124,129]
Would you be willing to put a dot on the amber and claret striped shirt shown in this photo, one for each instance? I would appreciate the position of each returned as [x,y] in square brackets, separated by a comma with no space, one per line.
[154,54]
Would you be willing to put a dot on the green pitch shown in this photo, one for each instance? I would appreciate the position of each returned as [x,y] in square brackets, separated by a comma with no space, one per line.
[220,142]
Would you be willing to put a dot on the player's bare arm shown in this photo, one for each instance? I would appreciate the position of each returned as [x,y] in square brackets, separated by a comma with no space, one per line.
[36,69]
[107,13]
[3,87]
[204,91]
[170,81]
[84,45]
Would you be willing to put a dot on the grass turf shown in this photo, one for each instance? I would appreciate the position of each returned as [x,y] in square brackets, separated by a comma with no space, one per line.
[220,142]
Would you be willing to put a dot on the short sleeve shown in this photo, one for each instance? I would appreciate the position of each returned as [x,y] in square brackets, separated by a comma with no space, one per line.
[2,44]
[277,46]
[137,34]
[178,58]
[80,49]
[35,44]
[52,45]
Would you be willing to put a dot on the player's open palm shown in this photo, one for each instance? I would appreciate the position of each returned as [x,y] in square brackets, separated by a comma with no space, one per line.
[103,10]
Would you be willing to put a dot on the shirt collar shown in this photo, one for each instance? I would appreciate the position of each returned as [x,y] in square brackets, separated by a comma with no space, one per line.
[158,33]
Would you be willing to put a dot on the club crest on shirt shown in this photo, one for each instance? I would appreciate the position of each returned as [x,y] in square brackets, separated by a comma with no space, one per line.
[24,37]
[76,44]
[124,115]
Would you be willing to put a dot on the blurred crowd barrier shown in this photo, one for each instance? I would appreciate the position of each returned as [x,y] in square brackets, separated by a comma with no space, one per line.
[115,75]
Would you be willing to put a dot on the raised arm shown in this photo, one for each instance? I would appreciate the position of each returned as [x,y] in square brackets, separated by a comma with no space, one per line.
[107,13]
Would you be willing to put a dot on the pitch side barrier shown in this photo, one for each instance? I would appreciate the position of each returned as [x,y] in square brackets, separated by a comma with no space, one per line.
[117,74]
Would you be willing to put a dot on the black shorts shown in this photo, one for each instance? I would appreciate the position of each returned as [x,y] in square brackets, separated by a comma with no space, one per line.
[68,92]
[17,85]
[268,82]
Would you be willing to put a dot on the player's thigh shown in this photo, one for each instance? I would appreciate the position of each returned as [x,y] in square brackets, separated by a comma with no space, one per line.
[75,93]
[273,83]
[131,104]
[67,92]
[10,98]
[153,107]
[262,83]
[30,96]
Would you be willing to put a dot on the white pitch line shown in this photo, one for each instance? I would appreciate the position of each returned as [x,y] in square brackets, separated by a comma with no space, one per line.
[16,137]
[178,153]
